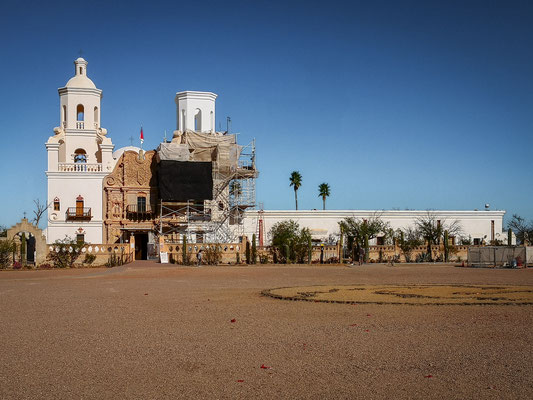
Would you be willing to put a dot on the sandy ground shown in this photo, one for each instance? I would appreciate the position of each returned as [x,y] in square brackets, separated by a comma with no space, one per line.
[147,331]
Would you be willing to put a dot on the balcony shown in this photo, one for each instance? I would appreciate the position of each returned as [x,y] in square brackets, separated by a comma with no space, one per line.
[79,167]
[80,125]
[134,212]
[78,214]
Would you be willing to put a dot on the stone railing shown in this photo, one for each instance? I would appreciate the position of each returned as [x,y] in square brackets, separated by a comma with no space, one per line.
[79,167]
[80,125]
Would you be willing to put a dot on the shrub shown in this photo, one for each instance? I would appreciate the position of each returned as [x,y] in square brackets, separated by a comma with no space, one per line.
[212,254]
[113,261]
[45,266]
[248,253]
[17,265]
[7,247]
[289,242]
[254,250]
[65,252]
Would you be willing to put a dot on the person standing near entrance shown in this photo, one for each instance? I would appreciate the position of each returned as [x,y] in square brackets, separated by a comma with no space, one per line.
[199,257]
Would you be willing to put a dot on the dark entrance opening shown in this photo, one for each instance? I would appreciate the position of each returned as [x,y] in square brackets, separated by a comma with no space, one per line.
[30,249]
[141,246]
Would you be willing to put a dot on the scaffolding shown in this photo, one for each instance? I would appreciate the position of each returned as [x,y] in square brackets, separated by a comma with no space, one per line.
[234,172]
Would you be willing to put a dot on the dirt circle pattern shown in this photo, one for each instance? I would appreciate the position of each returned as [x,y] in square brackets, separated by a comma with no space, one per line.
[408,294]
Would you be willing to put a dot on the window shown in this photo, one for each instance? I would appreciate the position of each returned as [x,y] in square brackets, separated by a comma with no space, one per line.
[80,238]
[198,120]
[380,240]
[80,156]
[477,241]
[141,204]
[79,112]
[64,119]
[96,115]
[56,204]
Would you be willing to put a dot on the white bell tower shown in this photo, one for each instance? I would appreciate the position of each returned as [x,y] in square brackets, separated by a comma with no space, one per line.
[196,111]
[79,157]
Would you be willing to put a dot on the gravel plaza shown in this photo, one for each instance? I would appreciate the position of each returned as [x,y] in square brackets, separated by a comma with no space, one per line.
[152,331]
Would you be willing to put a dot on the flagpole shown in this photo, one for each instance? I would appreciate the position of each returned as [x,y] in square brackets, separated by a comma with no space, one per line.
[142,137]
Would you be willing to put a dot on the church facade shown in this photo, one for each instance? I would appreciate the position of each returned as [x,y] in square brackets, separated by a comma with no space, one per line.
[102,196]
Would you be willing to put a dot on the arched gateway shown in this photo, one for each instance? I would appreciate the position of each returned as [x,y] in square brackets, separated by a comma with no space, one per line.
[35,242]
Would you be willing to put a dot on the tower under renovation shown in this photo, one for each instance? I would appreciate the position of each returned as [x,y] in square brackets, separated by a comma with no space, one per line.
[197,185]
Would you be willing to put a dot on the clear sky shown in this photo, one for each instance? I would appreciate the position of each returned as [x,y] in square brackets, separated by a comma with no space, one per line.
[395,104]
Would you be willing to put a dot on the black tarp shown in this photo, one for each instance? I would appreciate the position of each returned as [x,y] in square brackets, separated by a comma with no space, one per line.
[185,180]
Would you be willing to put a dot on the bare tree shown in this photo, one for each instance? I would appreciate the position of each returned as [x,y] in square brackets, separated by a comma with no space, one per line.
[522,229]
[40,209]
[432,229]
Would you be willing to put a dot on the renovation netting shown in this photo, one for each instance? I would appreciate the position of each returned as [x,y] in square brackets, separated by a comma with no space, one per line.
[185,180]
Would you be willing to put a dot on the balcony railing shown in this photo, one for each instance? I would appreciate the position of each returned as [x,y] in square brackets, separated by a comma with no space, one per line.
[133,211]
[80,125]
[79,167]
[78,214]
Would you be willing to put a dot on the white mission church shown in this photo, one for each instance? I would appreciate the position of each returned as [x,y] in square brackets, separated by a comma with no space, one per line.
[80,156]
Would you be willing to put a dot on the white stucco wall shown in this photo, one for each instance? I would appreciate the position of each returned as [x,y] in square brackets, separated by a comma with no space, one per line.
[476,224]
[67,186]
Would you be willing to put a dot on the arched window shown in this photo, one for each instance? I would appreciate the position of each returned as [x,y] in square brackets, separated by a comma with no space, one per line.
[212,122]
[57,205]
[79,113]
[95,116]
[80,156]
[64,117]
[198,120]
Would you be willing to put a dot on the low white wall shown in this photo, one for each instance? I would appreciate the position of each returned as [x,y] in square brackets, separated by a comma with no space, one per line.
[322,223]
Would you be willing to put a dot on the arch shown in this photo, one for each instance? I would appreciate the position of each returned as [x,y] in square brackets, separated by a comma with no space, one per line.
[198,120]
[36,241]
[64,116]
[57,204]
[80,113]
[96,116]
[80,156]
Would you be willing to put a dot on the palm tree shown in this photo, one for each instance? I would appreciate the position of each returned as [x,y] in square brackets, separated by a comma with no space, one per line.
[323,191]
[296,182]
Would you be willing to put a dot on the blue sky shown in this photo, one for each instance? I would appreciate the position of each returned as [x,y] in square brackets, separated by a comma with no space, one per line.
[412,104]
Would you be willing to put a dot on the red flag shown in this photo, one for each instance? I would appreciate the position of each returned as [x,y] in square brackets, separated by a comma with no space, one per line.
[142,136]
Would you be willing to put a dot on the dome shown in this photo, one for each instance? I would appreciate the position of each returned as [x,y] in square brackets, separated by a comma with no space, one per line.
[119,152]
[80,81]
